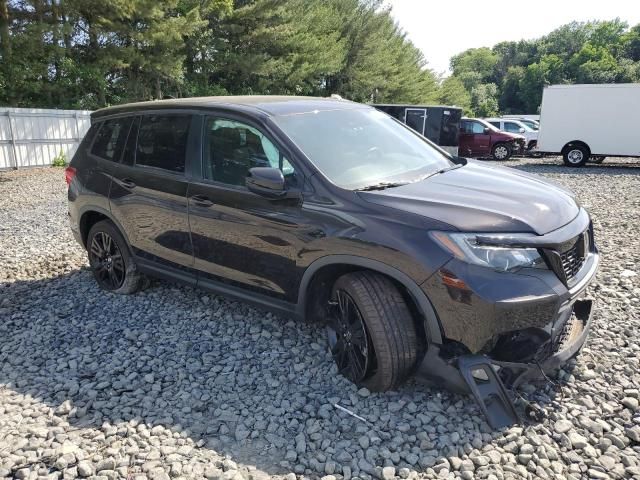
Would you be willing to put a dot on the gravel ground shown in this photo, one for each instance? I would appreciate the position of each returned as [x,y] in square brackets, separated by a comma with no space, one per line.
[177,383]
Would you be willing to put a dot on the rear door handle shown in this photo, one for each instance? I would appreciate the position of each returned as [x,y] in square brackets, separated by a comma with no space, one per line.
[202,201]
[127,183]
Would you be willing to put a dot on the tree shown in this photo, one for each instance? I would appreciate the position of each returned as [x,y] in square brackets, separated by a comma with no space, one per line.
[452,92]
[484,100]
[591,52]
[478,60]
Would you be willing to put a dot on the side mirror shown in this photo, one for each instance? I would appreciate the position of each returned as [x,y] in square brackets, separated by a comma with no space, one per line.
[522,130]
[266,181]
[486,130]
[269,182]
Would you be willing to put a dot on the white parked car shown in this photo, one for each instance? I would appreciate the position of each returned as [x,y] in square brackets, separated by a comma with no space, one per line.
[516,126]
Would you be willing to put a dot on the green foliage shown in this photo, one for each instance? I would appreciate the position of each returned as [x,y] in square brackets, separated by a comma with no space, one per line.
[88,54]
[592,52]
[59,160]
[453,92]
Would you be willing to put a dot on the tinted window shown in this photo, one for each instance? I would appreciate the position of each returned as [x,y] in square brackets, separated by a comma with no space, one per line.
[162,141]
[129,154]
[91,133]
[495,124]
[232,148]
[110,138]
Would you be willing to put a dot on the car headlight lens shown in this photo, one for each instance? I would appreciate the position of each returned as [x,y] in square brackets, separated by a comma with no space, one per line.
[465,247]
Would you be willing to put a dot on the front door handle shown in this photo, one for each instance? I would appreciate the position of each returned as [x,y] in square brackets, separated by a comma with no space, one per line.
[202,201]
[127,183]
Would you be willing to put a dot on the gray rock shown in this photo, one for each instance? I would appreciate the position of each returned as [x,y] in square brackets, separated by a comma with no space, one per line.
[562,426]
[577,440]
[85,468]
[631,403]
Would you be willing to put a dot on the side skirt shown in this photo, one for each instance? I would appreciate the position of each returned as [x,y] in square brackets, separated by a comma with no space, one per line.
[190,277]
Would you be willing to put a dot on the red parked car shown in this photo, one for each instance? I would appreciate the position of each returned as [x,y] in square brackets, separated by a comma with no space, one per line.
[481,139]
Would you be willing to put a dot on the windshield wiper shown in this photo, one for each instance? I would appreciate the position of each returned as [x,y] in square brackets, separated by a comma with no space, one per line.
[442,170]
[381,186]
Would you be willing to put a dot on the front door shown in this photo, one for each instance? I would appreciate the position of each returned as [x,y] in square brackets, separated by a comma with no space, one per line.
[474,141]
[149,190]
[240,237]
[416,119]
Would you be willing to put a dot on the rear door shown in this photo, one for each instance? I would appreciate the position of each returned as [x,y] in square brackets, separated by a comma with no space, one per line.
[149,190]
[97,165]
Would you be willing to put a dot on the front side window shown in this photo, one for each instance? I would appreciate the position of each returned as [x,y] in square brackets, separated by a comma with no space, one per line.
[232,148]
[162,141]
[477,127]
[360,147]
[110,138]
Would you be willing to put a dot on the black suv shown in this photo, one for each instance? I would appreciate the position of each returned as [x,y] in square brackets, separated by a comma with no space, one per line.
[418,262]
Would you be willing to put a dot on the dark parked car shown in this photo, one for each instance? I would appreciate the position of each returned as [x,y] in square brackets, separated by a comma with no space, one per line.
[418,262]
[479,138]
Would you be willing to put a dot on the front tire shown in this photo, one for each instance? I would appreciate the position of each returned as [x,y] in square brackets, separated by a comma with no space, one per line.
[575,156]
[501,151]
[110,260]
[371,332]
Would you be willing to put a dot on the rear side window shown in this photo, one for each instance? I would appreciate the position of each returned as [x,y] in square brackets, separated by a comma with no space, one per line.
[495,124]
[162,141]
[129,154]
[110,139]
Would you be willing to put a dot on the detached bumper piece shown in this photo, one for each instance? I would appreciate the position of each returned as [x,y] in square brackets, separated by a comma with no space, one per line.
[490,380]
[489,391]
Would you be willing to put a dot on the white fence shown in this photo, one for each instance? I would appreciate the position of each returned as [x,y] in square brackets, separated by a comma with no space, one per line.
[31,137]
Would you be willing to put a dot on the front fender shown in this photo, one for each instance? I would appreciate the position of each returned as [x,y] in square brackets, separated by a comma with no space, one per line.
[431,322]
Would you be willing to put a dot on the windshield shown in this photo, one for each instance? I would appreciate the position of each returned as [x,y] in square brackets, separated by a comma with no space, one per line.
[362,147]
[529,123]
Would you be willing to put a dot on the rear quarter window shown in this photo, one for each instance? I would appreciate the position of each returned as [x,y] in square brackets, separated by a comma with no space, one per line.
[110,139]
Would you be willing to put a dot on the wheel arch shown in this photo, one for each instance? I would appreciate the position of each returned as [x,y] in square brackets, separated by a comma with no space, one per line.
[334,265]
[575,143]
[92,215]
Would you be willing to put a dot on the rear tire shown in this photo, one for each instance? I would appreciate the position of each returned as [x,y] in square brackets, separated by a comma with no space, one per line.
[501,151]
[388,351]
[575,156]
[110,260]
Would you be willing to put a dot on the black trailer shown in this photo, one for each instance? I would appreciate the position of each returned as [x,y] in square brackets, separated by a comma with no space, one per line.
[438,123]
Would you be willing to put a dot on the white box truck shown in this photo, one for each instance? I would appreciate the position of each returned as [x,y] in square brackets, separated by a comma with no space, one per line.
[583,122]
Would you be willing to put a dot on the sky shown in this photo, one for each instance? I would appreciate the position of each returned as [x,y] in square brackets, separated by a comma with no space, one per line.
[442,28]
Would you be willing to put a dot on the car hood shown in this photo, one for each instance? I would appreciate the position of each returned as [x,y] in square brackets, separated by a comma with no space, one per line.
[482,198]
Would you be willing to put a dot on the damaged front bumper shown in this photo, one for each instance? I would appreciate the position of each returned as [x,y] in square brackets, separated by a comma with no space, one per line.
[490,380]
[502,330]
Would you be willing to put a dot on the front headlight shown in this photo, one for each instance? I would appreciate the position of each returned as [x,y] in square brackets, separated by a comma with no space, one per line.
[465,247]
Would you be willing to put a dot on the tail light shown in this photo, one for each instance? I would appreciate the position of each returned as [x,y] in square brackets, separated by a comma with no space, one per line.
[69,173]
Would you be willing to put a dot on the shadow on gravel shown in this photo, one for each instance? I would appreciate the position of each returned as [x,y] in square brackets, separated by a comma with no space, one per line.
[250,385]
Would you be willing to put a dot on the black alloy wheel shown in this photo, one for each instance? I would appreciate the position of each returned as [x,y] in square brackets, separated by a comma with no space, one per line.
[106,261]
[348,338]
